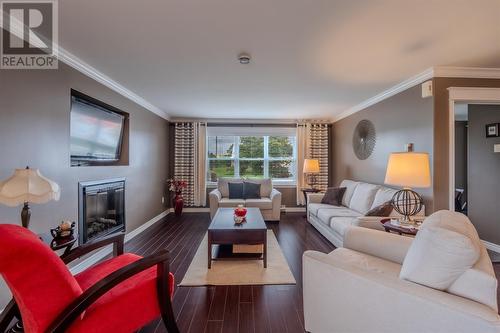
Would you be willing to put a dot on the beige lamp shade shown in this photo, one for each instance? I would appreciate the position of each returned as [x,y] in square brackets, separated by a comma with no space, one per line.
[409,170]
[28,185]
[311,166]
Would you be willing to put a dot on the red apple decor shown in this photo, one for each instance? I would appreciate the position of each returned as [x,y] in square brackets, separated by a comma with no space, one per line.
[239,214]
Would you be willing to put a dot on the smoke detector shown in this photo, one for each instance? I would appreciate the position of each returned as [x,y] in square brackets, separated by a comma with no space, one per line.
[244,58]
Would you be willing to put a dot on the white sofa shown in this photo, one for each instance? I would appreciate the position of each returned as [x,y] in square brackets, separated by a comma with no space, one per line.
[357,289]
[359,198]
[269,203]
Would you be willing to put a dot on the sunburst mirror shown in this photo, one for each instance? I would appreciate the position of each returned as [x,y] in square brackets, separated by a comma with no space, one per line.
[364,139]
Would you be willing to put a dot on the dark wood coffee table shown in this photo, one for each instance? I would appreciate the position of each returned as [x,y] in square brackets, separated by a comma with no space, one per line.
[223,231]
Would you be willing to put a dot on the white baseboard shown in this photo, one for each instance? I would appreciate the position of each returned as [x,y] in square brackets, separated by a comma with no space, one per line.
[295,209]
[80,267]
[491,246]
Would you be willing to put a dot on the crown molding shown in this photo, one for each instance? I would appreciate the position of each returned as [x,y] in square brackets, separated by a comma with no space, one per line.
[73,61]
[438,71]
[402,86]
[467,72]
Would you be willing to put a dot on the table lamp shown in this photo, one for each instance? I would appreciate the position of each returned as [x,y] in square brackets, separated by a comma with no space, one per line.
[27,186]
[408,170]
[311,169]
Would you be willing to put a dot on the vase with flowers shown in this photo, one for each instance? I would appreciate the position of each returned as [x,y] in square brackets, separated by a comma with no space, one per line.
[176,186]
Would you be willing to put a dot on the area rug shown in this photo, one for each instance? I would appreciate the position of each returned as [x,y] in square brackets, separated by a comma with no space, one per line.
[239,272]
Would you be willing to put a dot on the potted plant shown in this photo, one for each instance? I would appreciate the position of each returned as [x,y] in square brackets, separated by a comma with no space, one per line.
[177,186]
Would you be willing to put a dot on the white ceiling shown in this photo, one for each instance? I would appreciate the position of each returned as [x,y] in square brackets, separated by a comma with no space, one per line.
[310,58]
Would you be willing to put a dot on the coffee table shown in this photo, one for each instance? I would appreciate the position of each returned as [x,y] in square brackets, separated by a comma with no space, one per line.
[223,231]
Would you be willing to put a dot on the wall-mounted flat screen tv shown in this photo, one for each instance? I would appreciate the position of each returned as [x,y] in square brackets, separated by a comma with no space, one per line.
[96,131]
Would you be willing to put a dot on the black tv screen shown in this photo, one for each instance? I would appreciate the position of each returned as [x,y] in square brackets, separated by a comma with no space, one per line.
[96,131]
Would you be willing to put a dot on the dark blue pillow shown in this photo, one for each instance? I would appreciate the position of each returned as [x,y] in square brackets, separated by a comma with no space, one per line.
[251,190]
[235,190]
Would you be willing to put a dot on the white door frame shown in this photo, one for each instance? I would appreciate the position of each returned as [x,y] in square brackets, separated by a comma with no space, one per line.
[470,95]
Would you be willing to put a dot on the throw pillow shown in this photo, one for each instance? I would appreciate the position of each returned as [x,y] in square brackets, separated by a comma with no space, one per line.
[251,190]
[437,257]
[235,190]
[382,210]
[333,196]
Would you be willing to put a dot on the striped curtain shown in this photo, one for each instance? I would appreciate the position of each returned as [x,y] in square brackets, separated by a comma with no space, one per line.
[184,158]
[318,149]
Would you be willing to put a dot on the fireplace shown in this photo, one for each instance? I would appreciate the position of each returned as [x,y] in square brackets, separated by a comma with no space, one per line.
[101,208]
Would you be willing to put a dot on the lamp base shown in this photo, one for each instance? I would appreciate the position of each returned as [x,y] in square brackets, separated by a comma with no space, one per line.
[407,203]
[25,215]
[311,180]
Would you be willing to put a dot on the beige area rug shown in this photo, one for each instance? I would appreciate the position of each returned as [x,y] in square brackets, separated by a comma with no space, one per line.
[239,272]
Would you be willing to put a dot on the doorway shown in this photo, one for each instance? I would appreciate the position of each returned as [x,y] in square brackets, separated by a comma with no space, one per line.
[473,161]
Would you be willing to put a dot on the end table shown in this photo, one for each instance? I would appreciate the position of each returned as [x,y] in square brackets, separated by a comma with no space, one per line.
[306,190]
[389,227]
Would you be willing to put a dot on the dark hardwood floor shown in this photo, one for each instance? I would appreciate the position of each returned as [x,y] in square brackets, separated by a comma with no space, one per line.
[231,308]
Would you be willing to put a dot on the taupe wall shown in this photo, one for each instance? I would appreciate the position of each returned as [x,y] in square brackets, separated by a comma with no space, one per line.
[34,131]
[441,132]
[483,173]
[400,119]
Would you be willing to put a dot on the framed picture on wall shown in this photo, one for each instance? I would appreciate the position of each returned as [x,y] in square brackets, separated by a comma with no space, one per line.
[492,130]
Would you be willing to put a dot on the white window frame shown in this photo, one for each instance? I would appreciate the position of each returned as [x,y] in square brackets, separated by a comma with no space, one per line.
[291,182]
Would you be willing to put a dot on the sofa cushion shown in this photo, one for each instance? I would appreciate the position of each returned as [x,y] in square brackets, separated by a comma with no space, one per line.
[383,195]
[262,203]
[251,190]
[226,202]
[326,215]
[235,190]
[478,283]
[266,185]
[362,198]
[333,196]
[313,208]
[438,256]
[350,187]
[222,185]
[341,224]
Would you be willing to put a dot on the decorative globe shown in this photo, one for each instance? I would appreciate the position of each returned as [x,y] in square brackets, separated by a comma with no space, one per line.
[407,202]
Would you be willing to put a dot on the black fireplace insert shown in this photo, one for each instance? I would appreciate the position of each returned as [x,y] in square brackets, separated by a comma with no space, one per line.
[101,208]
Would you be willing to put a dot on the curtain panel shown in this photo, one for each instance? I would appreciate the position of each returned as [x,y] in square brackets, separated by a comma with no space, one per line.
[312,143]
[190,161]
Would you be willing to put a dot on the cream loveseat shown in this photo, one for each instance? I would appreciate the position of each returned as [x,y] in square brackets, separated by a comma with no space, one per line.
[358,289]
[269,203]
[359,198]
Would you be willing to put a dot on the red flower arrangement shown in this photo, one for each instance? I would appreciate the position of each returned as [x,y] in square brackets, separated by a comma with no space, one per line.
[176,185]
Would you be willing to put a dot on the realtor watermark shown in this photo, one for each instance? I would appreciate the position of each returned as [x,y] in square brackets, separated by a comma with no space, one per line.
[29,34]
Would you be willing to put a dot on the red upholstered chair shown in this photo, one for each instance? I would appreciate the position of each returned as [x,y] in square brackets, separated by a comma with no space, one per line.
[121,294]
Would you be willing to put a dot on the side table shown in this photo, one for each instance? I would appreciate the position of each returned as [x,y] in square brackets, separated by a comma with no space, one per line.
[389,227]
[306,190]
[56,244]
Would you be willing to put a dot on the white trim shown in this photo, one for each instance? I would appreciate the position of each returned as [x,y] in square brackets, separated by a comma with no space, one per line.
[467,72]
[107,250]
[470,95]
[273,121]
[295,209]
[402,86]
[84,68]
[438,71]
[491,246]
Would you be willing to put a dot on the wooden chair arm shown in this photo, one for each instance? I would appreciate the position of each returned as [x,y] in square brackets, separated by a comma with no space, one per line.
[117,240]
[89,296]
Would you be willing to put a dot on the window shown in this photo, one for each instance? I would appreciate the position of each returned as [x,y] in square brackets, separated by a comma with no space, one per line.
[252,156]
